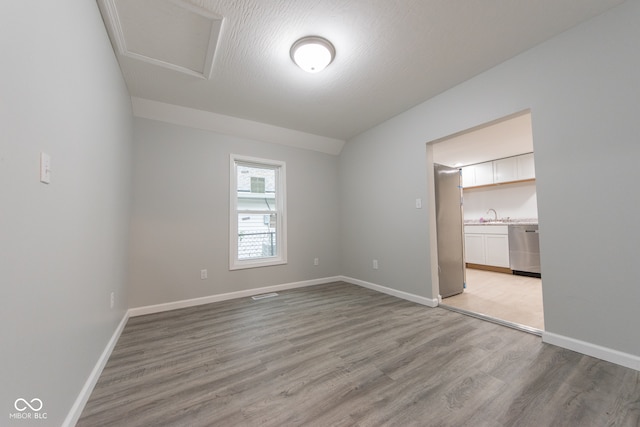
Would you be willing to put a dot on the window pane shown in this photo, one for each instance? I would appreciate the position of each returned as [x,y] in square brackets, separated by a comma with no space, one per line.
[266,184]
[256,188]
[256,236]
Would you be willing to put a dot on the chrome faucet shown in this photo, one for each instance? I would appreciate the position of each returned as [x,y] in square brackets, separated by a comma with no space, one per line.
[494,212]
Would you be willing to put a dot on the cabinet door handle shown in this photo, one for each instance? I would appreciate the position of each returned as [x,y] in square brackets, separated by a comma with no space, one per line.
[531,231]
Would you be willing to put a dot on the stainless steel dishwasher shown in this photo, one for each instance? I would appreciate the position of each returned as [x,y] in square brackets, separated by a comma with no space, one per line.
[524,249]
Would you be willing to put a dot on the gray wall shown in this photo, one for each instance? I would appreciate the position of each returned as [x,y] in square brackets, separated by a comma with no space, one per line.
[583,88]
[63,245]
[180,219]
[382,172]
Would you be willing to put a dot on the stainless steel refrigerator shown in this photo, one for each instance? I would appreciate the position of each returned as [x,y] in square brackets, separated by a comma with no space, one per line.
[449,225]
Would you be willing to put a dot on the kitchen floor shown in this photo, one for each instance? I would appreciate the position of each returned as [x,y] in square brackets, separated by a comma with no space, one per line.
[516,299]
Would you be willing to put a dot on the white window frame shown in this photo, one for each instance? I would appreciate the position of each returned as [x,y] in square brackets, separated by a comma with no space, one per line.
[281,213]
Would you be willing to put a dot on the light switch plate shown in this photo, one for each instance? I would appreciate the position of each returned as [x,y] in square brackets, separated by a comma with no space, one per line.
[45,168]
[418,203]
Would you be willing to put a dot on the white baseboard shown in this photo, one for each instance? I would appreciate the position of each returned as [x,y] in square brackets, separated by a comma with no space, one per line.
[76,410]
[393,292]
[157,308]
[619,358]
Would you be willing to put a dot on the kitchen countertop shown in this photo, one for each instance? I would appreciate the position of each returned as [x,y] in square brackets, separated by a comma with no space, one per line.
[510,221]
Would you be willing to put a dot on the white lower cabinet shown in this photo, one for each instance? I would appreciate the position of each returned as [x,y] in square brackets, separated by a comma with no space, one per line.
[487,245]
[496,250]
[474,248]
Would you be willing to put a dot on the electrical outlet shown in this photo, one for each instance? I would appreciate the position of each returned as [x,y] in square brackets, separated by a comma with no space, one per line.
[113,299]
[316,261]
[203,274]
[375,264]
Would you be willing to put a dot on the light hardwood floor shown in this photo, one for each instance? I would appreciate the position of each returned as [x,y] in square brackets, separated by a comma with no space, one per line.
[342,355]
[516,299]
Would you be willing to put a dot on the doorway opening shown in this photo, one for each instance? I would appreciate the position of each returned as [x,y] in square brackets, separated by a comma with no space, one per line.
[502,271]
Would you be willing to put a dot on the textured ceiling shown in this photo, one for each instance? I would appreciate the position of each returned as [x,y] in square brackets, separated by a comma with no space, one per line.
[391,55]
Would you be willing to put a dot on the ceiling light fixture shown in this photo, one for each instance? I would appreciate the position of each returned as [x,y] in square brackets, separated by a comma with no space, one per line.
[312,53]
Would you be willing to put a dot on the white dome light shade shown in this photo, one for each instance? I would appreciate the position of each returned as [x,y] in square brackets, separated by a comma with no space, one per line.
[312,54]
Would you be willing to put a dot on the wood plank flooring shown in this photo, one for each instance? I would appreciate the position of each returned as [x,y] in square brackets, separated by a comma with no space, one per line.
[342,355]
[516,299]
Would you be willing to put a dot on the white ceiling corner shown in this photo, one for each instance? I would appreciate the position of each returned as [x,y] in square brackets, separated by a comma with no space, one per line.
[168,33]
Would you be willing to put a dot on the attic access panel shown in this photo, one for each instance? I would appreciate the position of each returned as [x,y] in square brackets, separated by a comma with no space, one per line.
[167,33]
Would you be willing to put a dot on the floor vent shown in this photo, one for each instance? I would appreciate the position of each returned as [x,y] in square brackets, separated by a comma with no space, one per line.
[263,296]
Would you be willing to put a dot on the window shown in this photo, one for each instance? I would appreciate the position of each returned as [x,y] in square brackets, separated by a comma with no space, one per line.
[258,228]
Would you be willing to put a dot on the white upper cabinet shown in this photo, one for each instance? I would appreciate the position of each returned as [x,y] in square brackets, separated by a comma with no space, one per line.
[475,175]
[484,174]
[469,176]
[505,170]
[510,169]
[526,167]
